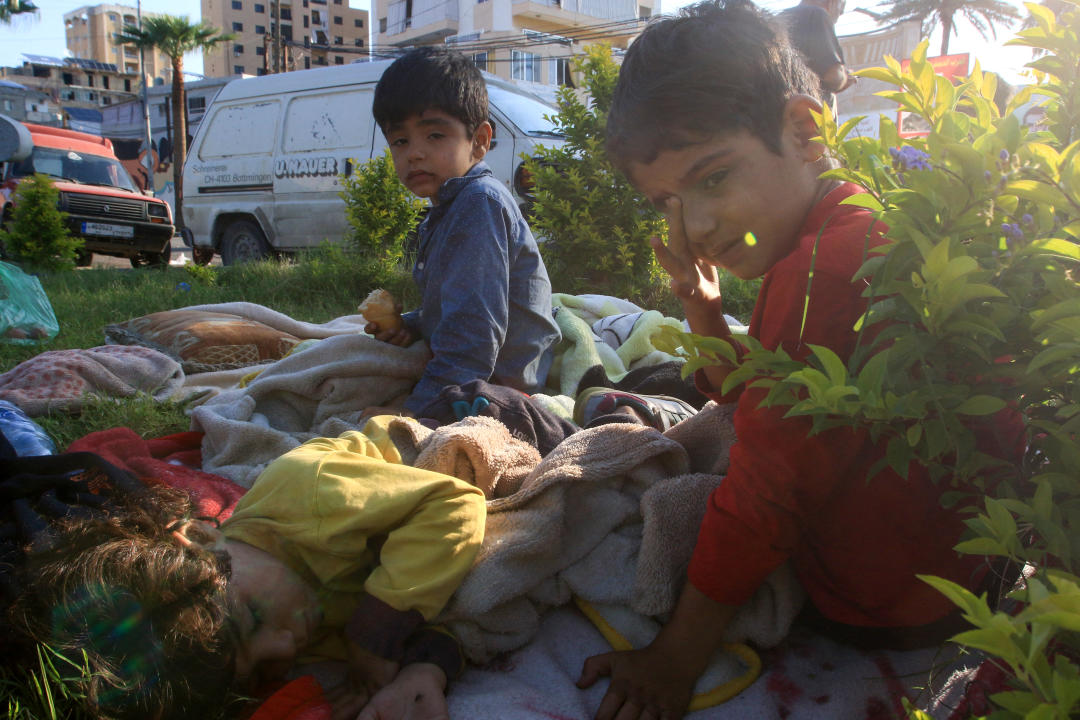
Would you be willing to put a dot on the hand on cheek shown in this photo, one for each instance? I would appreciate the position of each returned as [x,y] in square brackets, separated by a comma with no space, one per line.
[692,280]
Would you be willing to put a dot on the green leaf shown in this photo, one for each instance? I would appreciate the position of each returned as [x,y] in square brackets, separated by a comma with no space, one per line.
[980,405]
[864,200]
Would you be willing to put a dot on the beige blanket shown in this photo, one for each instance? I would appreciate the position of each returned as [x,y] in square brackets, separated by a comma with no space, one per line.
[610,515]
[319,392]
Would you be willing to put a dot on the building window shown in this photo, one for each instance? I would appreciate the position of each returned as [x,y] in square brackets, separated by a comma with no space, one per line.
[237,50]
[382,25]
[358,22]
[237,5]
[307,63]
[130,52]
[161,110]
[114,17]
[305,21]
[238,69]
[106,100]
[260,71]
[127,85]
[68,78]
[286,14]
[337,20]
[105,81]
[89,80]
[359,42]
[238,27]
[644,13]
[338,60]
[562,72]
[260,50]
[307,41]
[338,40]
[260,9]
[260,29]
[480,60]
[316,17]
[524,66]
[286,32]
[196,104]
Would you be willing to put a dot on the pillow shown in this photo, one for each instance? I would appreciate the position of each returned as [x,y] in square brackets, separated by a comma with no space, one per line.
[204,341]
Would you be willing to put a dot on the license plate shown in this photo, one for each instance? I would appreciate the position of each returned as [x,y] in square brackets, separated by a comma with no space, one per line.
[107,230]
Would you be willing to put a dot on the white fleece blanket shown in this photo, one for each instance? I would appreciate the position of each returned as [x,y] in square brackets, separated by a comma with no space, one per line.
[806,677]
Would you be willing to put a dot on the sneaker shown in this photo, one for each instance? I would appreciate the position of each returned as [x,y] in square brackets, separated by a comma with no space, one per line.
[658,411]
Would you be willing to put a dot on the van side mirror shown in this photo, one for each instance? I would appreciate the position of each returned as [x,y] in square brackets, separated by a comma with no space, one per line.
[15,140]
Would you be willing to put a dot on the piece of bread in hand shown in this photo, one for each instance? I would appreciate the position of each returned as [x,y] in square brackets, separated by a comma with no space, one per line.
[381,308]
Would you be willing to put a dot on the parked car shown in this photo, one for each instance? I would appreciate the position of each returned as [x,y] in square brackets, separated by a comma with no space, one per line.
[263,173]
[104,205]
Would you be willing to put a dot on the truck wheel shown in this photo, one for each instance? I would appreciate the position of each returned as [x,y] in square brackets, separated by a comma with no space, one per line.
[243,242]
[202,255]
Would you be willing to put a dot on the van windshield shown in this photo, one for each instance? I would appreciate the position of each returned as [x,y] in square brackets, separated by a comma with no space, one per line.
[75,167]
[525,111]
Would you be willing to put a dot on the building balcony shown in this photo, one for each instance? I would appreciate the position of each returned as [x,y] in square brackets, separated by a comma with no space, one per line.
[431,21]
[577,13]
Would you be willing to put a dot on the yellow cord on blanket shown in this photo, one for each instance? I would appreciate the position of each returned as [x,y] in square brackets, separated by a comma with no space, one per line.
[720,693]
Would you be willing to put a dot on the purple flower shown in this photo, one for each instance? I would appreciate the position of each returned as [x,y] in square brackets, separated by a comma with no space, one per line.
[910,158]
[988,176]
[1026,219]
[183,286]
[1012,232]
[1004,155]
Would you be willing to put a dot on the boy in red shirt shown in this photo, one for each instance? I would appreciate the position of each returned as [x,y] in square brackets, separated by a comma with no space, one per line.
[711,120]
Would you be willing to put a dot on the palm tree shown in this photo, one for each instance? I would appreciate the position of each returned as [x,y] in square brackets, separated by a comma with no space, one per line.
[11,8]
[983,15]
[174,36]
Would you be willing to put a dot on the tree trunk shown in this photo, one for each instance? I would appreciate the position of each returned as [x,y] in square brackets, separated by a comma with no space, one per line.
[179,140]
[946,31]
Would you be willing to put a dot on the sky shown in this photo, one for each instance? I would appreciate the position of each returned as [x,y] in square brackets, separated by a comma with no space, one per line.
[44,34]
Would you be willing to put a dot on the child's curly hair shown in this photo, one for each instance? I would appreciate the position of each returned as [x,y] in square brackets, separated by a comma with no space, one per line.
[151,615]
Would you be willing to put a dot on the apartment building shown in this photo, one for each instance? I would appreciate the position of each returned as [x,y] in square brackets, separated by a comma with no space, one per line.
[312,33]
[523,40]
[90,32]
[74,82]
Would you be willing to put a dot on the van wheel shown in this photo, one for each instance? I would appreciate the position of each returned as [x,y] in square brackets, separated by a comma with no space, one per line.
[243,242]
[202,255]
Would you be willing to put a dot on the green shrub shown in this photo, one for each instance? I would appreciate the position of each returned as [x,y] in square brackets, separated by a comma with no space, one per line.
[37,233]
[979,290]
[596,225]
[380,210]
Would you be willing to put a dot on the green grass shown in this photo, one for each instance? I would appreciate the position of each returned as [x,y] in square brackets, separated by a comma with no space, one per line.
[319,286]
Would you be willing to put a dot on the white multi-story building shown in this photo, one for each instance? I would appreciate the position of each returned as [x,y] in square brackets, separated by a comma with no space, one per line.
[523,40]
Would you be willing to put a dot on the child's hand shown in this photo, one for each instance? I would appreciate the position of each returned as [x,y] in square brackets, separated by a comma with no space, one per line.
[402,337]
[368,673]
[417,693]
[645,684]
[692,280]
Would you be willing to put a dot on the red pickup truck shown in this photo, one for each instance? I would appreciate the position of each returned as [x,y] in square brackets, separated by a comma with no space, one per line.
[103,203]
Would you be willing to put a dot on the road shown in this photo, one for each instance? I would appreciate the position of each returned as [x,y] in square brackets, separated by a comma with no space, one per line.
[181,255]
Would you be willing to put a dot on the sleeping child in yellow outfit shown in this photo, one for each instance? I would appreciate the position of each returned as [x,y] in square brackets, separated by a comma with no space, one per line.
[333,553]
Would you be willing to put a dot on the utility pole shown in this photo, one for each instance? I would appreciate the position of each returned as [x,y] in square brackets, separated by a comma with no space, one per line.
[145,105]
[277,35]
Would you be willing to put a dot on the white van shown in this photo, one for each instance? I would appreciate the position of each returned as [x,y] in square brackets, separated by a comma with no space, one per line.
[263,172]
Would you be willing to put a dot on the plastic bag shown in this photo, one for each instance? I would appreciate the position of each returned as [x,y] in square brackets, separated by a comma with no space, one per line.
[26,315]
[25,436]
